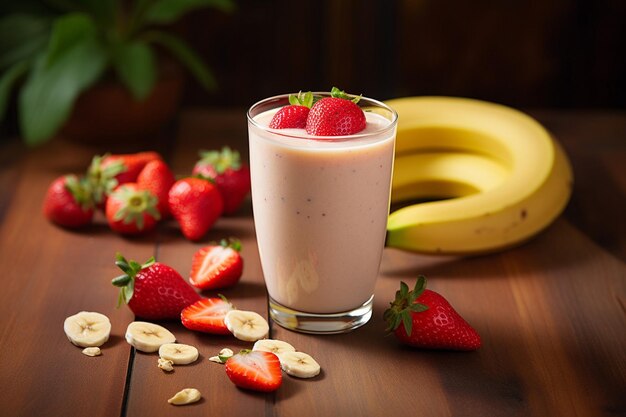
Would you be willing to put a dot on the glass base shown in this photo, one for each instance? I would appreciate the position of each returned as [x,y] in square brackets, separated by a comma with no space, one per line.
[321,323]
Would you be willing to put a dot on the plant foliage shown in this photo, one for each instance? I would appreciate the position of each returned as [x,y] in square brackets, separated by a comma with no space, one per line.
[53,50]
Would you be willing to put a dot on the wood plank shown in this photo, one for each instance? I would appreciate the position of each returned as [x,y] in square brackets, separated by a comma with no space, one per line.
[48,274]
[541,318]
[149,386]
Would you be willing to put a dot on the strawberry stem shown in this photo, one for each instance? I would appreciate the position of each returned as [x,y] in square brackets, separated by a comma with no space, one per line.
[337,93]
[221,160]
[126,282]
[404,304]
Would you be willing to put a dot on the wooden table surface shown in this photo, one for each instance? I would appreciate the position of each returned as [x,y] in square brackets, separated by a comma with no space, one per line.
[552,313]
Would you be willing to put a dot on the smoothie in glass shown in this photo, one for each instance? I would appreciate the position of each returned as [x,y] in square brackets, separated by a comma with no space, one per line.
[320,212]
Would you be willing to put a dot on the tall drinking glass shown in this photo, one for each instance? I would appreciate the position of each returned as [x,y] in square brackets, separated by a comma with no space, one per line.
[320,211]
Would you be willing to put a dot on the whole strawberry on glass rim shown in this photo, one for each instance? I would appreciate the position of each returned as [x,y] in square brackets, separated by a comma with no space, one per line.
[337,115]
[423,318]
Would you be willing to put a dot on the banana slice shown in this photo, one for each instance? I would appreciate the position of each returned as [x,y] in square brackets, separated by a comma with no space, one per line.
[87,329]
[148,337]
[277,347]
[186,396]
[299,364]
[178,353]
[246,325]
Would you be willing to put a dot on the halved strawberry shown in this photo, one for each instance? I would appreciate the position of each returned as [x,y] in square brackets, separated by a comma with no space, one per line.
[255,370]
[207,315]
[217,266]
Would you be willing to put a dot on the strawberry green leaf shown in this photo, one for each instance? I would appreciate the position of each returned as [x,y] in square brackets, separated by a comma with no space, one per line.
[148,263]
[407,322]
[222,160]
[404,290]
[121,281]
[418,308]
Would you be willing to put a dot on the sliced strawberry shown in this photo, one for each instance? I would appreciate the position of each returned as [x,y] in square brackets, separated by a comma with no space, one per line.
[217,266]
[207,315]
[255,370]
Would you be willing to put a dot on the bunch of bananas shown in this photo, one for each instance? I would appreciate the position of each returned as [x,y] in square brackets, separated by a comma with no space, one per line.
[488,177]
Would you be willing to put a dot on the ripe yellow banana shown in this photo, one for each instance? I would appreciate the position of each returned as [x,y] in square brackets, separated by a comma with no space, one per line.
[533,193]
[437,175]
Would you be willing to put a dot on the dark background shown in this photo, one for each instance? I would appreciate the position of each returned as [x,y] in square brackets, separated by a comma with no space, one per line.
[523,53]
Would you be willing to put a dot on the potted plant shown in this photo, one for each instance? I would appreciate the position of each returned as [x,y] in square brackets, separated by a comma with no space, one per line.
[72,60]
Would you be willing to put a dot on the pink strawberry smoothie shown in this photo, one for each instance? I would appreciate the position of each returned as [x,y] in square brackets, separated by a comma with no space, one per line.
[320,212]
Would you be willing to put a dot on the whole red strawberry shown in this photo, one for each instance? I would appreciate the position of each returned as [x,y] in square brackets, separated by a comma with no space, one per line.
[294,115]
[68,202]
[196,204]
[132,210]
[337,115]
[255,370]
[132,164]
[230,175]
[153,290]
[157,177]
[423,318]
[217,265]
[106,172]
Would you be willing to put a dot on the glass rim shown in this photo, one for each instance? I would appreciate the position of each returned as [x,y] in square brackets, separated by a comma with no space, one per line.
[392,124]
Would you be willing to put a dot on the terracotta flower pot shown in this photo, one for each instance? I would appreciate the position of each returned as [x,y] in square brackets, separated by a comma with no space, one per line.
[108,113]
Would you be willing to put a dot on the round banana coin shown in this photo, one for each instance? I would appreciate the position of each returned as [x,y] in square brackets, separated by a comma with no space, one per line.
[87,329]
[178,353]
[148,337]
[246,325]
[299,364]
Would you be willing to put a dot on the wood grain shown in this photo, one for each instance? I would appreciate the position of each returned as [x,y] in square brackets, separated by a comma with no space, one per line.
[551,312]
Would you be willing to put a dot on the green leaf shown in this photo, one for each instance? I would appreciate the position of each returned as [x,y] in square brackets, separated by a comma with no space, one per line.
[22,37]
[121,281]
[135,66]
[168,11]
[47,98]
[418,307]
[128,291]
[186,55]
[404,290]
[7,81]
[67,32]
[407,321]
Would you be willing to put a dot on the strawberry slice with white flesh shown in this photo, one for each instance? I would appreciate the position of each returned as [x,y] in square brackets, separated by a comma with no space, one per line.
[217,265]
[255,370]
[207,315]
